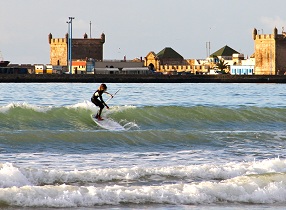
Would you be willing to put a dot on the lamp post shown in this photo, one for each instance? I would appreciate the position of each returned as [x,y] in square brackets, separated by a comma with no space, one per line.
[70,45]
[208,48]
[68,42]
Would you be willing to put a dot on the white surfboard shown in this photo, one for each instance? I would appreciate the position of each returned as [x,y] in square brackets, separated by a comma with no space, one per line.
[108,124]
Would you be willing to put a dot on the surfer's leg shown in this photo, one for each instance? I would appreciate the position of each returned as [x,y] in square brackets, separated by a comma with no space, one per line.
[99,104]
[100,111]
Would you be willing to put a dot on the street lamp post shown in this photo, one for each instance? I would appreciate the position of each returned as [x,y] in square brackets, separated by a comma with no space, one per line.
[208,48]
[68,42]
[70,45]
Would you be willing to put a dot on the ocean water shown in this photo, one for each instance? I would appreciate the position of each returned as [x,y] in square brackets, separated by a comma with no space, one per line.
[186,146]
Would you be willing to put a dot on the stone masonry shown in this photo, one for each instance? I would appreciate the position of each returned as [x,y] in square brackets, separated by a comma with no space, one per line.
[270,53]
[81,49]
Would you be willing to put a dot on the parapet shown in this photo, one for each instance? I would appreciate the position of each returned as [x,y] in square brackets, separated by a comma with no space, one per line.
[275,35]
[102,38]
[85,37]
[58,41]
[265,36]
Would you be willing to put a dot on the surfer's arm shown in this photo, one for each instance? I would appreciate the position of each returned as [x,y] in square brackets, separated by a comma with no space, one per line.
[102,101]
[109,94]
[105,104]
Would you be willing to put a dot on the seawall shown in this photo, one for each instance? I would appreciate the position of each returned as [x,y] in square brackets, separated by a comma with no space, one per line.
[151,78]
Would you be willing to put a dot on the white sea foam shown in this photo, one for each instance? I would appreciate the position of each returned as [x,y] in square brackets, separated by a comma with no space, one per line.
[20,177]
[121,108]
[194,193]
[83,105]
[6,108]
[260,182]
[129,125]
[90,106]
[12,176]
[24,105]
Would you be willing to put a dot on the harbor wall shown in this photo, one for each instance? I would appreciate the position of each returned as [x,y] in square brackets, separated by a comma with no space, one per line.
[151,78]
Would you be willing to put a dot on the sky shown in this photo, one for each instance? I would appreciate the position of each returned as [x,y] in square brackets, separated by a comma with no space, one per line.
[133,28]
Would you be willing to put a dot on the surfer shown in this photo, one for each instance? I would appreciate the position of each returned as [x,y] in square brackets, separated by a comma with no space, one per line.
[99,102]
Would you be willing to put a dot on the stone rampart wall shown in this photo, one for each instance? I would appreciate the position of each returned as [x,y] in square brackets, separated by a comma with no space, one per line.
[150,78]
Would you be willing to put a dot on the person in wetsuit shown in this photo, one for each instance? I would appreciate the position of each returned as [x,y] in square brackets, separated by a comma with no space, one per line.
[98,100]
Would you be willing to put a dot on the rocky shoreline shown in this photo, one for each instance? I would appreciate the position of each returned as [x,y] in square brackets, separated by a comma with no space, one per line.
[151,78]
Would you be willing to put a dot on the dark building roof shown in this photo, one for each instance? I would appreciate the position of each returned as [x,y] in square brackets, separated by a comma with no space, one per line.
[224,51]
[168,52]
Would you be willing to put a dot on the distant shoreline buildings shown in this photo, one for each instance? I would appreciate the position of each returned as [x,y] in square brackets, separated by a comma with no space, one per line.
[269,58]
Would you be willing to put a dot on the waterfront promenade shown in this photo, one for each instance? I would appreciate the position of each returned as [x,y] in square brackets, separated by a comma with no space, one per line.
[151,78]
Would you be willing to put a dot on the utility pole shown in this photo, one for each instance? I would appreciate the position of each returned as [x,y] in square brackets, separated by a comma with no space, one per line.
[208,48]
[68,42]
[70,45]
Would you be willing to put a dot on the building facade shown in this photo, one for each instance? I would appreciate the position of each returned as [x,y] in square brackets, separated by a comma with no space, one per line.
[241,70]
[167,60]
[81,49]
[270,53]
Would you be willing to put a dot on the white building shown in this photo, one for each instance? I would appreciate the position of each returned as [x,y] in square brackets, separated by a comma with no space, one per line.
[242,69]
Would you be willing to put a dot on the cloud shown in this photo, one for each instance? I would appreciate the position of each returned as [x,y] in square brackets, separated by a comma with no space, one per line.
[271,22]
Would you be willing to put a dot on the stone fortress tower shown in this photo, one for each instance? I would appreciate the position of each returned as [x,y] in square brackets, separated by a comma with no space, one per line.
[270,53]
[81,49]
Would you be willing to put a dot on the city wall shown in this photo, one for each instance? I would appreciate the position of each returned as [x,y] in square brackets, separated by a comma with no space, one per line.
[150,78]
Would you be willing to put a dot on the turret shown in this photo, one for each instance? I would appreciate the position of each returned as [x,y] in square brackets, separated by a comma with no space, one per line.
[254,33]
[50,36]
[102,38]
[67,37]
[275,32]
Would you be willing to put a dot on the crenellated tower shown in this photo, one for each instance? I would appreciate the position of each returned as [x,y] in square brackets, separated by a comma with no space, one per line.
[81,49]
[270,53]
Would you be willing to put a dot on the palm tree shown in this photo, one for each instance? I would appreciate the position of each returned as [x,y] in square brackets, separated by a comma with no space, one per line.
[222,66]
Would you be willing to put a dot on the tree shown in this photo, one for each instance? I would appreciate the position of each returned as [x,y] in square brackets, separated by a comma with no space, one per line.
[222,66]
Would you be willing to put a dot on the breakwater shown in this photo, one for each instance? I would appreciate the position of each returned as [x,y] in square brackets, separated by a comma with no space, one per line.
[150,78]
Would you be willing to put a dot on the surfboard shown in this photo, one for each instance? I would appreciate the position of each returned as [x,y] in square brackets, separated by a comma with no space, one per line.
[108,124]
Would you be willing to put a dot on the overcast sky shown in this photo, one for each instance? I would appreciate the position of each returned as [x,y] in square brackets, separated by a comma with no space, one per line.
[136,27]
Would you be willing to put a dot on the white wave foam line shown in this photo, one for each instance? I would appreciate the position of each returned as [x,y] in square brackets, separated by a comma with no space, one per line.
[262,187]
[83,105]
[203,193]
[11,176]
[90,106]
[8,107]
[129,125]
[121,108]
[193,172]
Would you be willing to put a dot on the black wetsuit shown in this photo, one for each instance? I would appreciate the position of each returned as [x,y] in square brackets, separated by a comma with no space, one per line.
[98,102]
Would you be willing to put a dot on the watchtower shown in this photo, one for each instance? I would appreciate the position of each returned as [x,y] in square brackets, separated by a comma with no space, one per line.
[81,49]
[270,53]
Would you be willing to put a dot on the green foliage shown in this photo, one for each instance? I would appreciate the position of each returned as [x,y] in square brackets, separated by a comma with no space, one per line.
[222,66]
